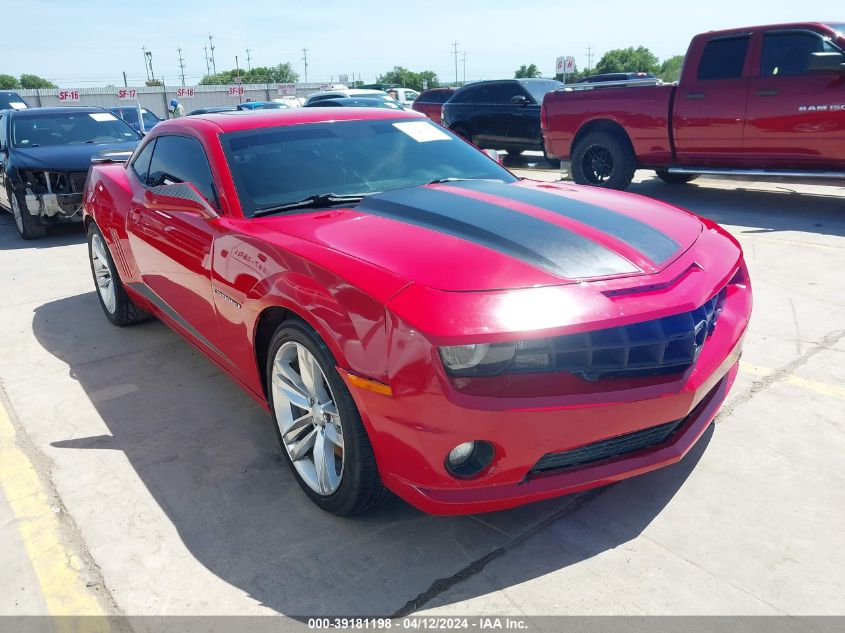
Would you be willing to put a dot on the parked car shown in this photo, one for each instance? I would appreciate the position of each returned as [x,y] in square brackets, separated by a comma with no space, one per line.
[130,115]
[347,92]
[290,101]
[430,102]
[355,102]
[262,105]
[12,101]
[561,338]
[405,96]
[213,110]
[608,77]
[502,114]
[763,101]
[44,158]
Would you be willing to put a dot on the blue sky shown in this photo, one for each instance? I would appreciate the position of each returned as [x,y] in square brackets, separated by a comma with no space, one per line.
[91,42]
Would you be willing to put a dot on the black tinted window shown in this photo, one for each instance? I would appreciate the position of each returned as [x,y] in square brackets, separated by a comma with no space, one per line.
[435,96]
[788,53]
[470,94]
[181,159]
[2,130]
[503,93]
[141,164]
[723,58]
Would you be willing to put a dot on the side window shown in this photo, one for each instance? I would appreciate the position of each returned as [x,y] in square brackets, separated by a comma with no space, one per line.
[501,94]
[141,164]
[181,159]
[723,58]
[2,131]
[469,95]
[787,53]
[129,115]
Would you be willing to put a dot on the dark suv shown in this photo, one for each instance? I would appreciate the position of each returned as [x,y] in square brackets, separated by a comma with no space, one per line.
[503,114]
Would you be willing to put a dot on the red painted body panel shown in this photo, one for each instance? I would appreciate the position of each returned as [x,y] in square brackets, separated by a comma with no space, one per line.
[384,294]
[748,122]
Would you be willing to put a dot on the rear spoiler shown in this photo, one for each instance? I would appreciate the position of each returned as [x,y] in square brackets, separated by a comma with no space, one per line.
[111,156]
[626,83]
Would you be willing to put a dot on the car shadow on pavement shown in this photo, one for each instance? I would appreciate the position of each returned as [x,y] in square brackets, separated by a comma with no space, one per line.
[59,235]
[208,456]
[763,211]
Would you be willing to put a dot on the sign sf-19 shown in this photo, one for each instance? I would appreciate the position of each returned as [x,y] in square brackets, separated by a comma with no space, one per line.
[236,91]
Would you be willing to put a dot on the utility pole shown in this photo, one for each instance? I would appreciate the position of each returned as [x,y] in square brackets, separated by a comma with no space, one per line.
[211,48]
[181,66]
[455,52]
[589,57]
[144,48]
[149,55]
[237,68]
[207,67]
[464,60]
[125,83]
[305,59]
[248,61]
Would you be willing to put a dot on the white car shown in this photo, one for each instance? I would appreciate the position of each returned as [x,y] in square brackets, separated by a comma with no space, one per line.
[405,96]
[290,101]
[347,92]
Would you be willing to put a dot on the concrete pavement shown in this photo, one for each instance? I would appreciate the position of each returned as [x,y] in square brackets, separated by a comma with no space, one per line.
[179,502]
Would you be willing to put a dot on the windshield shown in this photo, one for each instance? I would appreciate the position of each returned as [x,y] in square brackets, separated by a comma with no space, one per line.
[130,115]
[839,28]
[11,101]
[70,129]
[538,89]
[279,165]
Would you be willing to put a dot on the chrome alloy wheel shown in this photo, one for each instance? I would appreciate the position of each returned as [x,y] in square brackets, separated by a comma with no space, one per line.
[308,419]
[103,273]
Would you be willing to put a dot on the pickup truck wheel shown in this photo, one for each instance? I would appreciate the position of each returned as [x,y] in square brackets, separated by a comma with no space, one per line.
[603,160]
[29,226]
[675,179]
[117,305]
[318,424]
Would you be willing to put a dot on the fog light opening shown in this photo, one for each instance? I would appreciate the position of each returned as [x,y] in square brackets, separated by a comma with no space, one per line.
[469,459]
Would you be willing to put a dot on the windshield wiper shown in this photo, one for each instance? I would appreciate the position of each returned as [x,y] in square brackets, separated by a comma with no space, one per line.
[317,200]
[440,181]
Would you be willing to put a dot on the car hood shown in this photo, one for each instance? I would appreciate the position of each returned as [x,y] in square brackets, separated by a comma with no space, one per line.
[64,157]
[483,235]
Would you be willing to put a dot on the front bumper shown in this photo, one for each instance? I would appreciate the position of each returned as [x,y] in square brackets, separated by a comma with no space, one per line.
[65,207]
[413,430]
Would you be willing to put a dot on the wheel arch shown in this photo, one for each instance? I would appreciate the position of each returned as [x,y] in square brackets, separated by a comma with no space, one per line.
[601,125]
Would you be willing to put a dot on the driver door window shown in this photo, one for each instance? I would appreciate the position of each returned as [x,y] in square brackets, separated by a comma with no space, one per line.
[182,159]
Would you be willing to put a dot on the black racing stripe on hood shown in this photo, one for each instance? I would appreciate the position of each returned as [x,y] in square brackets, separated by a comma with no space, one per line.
[646,239]
[518,235]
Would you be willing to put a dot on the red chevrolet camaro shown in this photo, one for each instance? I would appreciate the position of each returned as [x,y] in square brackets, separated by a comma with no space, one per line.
[416,318]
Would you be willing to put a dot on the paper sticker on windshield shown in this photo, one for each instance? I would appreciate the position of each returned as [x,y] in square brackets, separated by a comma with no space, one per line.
[102,116]
[18,105]
[421,131]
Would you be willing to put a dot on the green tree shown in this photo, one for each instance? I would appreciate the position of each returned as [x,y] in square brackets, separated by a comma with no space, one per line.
[670,69]
[280,73]
[34,81]
[154,82]
[530,70]
[408,78]
[625,60]
[8,82]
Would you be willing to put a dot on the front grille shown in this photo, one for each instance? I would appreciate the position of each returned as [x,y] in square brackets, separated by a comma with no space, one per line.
[648,348]
[77,180]
[605,449]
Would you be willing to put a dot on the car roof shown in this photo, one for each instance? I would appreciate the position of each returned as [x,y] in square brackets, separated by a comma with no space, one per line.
[59,110]
[769,27]
[242,120]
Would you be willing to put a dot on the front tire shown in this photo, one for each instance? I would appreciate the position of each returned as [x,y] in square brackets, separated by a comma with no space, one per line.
[116,304]
[602,159]
[318,424]
[675,179]
[29,226]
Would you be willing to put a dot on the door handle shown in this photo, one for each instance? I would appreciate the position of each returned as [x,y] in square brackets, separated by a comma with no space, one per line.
[768,92]
[692,96]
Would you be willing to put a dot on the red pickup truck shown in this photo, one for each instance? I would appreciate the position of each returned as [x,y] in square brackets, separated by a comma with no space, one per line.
[759,101]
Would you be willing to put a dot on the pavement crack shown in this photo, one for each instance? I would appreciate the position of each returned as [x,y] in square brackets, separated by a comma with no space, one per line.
[764,382]
[441,585]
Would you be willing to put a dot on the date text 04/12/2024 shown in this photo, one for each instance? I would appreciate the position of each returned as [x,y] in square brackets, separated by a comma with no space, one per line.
[420,623]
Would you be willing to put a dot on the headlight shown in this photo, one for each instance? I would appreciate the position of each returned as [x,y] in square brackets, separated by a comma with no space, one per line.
[489,359]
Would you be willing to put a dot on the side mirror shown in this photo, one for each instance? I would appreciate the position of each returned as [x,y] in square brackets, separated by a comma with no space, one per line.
[826,62]
[491,153]
[181,196]
[519,100]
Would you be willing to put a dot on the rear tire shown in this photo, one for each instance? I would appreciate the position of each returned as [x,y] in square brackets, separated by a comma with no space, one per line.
[675,179]
[324,441]
[116,304]
[602,159]
[28,225]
